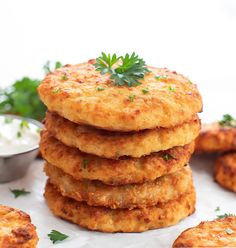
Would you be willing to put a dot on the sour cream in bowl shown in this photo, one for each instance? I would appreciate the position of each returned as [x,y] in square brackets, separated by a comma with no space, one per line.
[19,143]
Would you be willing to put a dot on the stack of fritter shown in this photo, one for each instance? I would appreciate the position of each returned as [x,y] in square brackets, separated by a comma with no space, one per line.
[116,156]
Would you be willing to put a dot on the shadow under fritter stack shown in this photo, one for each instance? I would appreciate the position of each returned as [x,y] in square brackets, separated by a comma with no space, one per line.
[116,156]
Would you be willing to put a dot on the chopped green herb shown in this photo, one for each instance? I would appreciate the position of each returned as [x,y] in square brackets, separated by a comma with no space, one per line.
[8,120]
[100,88]
[24,124]
[124,70]
[217,209]
[170,88]
[224,216]
[38,130]
[56,236]
[19,192]
[56,90]
[131,98]
[189,82]
[48,67]
[227,121]
[18,134]
[160,77]
[64,77]
[85,163]
[229,231]
[145,91]
[167,156]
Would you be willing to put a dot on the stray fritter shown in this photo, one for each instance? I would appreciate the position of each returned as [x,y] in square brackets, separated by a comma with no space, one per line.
[73,92]
[225,171]
[216,138]
[209,234]
[16,229]
[120,220]
[95,193]
[116,144]
[114,172]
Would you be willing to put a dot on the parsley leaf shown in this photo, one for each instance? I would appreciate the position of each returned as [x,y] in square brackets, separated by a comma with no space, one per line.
[56,236]
[145,90]
[129,69]
[23,124]
[131,98]
[19,192]
[170,88]
[217,209]
[48,67]
[18,134]
[85,163]
[160,77]
[224,216]
[227,121]
[100,88]
[167,156]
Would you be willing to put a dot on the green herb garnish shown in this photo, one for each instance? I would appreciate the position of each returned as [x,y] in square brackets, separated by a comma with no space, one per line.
[124,70]
[131,98]
[159,77]
[170,88]
[189,82]
[229,231]
[100,88]
[38,130]
[64,77]
[56,236]
[56,90]
[167,156]
[18,134]
[85,163]
[227,121]
[49,68]
[19,192]
[24,124]
[217,209]
[224,216]
[145,91]
[8,120]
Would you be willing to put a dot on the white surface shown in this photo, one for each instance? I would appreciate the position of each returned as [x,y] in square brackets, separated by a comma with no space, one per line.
[209,196]
[196,38]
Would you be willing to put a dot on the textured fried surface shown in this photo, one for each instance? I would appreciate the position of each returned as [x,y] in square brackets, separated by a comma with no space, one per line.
[16,230]
[78,99]
[120,220]
[95,193]
[215,138]
[209,234]
[114,172]
[225,171]
[116,144]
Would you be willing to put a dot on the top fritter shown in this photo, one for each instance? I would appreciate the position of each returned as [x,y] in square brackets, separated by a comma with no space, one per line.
[83,95]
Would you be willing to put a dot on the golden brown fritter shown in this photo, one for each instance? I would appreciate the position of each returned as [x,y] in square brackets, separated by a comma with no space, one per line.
[215,138]
[169,102]
[209,234]
[123,171]
[116,144]
[95,193]
[225,171]
[16,229]
[120,220]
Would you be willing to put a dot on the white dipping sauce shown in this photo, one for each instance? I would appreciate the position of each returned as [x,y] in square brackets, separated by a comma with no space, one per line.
[17,136]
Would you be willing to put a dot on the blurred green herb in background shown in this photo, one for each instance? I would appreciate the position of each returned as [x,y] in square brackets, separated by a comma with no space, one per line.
[22,98]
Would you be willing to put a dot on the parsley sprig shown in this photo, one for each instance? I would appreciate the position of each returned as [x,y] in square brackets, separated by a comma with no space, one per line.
[56,236]
[224,215]
[19,192]
[124,70]
[227,121]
